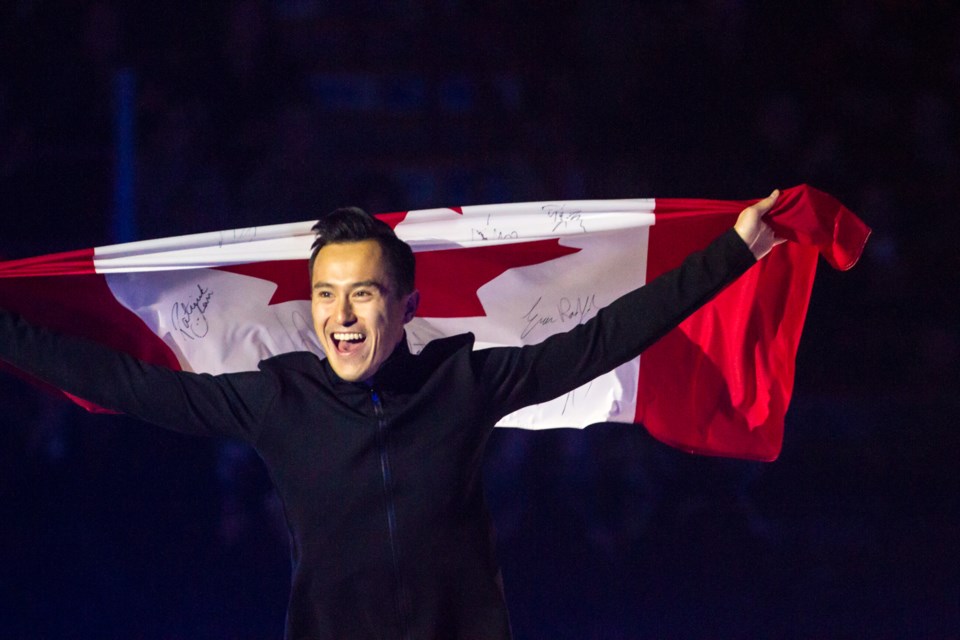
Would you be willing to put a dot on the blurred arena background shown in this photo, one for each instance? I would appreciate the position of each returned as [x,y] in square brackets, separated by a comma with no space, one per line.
[129,120]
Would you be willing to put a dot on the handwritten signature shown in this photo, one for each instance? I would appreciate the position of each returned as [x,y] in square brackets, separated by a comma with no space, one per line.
[237,235]
[563,217]
[570,400]
[490,232]
[567,310]
[190,317]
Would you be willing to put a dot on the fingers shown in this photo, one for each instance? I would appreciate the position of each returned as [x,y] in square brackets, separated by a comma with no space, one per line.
[767,203]
[749,222]
[756,233]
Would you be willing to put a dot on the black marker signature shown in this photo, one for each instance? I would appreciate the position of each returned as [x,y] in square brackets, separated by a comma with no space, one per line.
[568,310]
[577,310]
[190,317]
[561,216]
[534,319]
[492,233]
[570,400]
[237,235]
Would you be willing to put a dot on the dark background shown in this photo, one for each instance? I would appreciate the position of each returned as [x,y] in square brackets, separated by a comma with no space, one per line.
[259,112]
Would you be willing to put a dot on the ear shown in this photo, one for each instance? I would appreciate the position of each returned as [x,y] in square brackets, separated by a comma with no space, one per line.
[413,301]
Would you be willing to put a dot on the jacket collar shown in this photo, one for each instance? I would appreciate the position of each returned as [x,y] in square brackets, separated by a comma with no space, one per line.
[397,372]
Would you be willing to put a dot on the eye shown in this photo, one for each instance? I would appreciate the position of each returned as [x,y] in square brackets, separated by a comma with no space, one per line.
[322,295]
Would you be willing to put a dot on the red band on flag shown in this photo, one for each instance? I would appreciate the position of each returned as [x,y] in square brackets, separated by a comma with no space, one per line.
[448,280]
[732,363]
[77,262]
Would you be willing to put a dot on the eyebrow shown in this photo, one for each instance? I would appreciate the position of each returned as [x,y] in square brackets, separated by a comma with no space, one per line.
[356,285]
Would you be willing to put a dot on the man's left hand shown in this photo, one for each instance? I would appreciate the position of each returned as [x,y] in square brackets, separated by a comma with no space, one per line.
[756,233]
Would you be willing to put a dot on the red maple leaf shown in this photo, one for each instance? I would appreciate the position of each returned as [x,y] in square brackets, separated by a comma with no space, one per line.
[448,280]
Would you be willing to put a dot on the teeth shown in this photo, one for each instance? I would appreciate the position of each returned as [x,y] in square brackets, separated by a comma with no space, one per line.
[348,336]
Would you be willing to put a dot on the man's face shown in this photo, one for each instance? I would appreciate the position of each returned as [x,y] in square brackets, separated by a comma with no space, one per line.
[357,312]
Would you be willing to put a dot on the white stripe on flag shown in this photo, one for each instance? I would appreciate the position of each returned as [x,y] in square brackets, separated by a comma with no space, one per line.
[218,322]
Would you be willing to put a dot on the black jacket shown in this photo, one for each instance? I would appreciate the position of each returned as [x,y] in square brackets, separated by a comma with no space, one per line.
[381,487]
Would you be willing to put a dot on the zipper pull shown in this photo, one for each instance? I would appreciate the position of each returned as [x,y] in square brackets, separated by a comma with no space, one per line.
[377,406]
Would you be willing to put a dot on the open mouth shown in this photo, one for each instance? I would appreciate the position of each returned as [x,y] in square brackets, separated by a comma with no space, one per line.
[346,342]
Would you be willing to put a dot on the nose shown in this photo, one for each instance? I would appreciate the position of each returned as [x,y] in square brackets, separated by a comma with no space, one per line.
[345,315]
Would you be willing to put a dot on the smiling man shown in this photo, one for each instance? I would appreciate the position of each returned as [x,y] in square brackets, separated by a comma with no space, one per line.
[375,452]
[362,291]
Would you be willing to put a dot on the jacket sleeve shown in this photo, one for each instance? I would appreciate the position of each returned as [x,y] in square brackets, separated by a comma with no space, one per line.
[231,405]
[521,376]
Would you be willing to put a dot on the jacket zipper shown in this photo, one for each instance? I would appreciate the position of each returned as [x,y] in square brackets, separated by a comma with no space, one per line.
[387,478]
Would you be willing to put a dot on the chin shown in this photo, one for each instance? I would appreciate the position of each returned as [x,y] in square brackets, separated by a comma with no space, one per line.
[348,375]
[351,374]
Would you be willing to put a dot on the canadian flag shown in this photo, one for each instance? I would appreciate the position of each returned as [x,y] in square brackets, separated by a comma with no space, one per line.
[511,274]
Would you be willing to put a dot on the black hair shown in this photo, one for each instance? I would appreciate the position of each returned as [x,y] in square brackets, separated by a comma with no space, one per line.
[353,224]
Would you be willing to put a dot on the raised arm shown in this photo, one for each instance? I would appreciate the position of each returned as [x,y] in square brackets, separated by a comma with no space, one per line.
[622,330]
[230,405]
